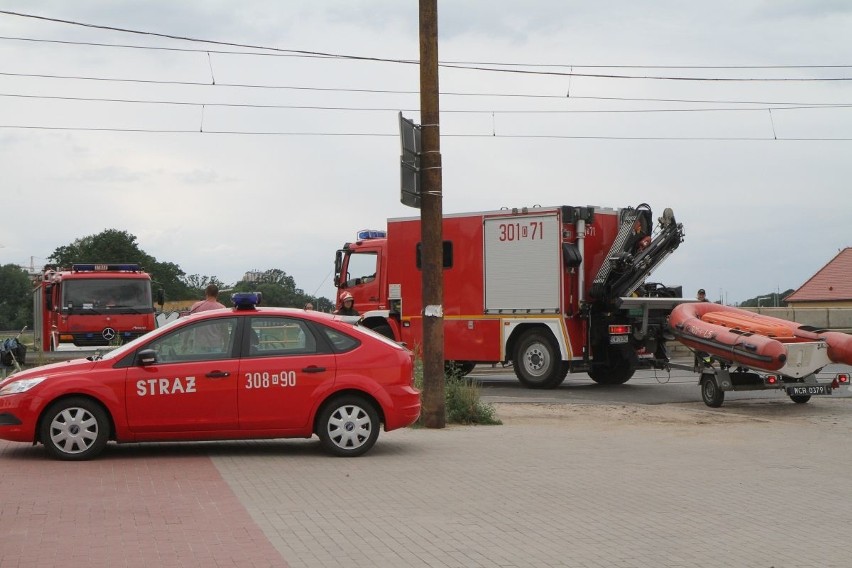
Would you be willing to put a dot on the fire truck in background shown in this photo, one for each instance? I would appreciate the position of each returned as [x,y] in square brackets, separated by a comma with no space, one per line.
[552,289]
[92,305]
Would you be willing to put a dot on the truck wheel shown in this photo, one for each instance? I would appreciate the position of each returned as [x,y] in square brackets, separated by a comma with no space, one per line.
[613,370]
[800,398]
[348,426]
[74,429]
[712,395]
[537,362]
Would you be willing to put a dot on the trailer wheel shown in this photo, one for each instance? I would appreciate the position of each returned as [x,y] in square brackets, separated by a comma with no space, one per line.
[800,398]
[712,395]
[537,362]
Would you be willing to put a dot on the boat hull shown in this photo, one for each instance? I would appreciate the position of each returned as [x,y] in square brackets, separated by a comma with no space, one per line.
[753,340]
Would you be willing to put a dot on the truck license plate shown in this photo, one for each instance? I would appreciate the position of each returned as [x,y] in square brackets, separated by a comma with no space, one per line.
[808,390]
[618,339]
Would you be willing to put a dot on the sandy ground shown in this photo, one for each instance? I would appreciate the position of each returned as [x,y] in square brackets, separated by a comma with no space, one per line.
[823,411]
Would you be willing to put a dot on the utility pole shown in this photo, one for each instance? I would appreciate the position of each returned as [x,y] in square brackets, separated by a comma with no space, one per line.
[431,230]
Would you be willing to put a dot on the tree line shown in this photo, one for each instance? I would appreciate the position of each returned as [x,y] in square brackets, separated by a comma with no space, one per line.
[114,246]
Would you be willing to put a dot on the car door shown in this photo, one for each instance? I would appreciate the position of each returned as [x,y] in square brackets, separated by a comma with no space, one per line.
[193,384]
[283,369]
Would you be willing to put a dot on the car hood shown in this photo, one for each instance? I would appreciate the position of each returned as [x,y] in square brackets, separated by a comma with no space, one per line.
[75,365]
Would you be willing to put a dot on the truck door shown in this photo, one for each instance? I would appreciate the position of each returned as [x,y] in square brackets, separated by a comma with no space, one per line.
[193,385]
[363,278]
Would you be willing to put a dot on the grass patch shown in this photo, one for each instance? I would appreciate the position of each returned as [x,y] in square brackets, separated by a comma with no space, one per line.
[463,404]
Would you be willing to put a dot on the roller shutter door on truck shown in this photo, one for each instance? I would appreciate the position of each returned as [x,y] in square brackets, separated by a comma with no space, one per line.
[522,264]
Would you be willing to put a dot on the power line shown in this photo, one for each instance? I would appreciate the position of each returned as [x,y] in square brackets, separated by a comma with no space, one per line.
[477,67]
[446,135]
[408,92]
[493,63]
[396,109]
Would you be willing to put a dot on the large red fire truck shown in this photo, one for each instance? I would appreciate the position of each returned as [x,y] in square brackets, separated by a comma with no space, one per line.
[92,305]
[552,289]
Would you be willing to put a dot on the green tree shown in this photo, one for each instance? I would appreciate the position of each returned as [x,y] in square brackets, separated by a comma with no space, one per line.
[112,245]
[16,298]
[278,289]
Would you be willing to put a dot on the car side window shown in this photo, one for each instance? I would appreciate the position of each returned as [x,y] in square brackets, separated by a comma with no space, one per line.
[340,341]
[201,341]
[280,336]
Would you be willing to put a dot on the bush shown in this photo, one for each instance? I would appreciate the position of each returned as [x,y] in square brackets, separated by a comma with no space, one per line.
[462,400]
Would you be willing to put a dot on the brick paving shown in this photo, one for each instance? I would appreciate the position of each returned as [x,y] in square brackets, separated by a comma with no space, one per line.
[753,484]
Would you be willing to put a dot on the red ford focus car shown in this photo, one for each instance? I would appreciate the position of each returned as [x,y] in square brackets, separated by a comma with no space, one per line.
[240,373]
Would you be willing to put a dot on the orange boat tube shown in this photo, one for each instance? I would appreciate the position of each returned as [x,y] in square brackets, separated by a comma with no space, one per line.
[748,338]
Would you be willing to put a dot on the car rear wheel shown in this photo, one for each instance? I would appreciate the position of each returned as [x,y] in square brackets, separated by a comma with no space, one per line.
[348,426]
[74,429]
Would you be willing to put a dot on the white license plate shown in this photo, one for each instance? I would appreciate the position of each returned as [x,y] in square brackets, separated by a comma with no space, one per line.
[618,339]
[808,390]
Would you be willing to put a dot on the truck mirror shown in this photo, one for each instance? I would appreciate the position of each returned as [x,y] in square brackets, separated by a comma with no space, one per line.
[146,357]
[48,297]
[161,297]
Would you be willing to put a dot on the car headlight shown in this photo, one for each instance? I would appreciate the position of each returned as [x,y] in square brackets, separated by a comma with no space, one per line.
[23,385]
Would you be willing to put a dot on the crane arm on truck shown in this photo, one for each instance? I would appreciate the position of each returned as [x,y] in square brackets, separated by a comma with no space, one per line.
[634,254]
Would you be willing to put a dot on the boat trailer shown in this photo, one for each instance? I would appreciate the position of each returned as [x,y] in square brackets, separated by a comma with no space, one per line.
[798,377]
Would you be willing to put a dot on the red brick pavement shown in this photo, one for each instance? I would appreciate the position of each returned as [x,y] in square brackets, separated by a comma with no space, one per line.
[136,506]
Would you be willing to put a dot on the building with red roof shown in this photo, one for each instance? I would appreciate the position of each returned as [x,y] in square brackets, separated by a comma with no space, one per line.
[830,287]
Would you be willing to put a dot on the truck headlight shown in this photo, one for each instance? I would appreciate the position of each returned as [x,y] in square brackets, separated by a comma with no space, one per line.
[16,387]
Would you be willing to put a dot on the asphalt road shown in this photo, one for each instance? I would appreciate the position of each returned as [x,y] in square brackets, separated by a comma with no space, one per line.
[646,387]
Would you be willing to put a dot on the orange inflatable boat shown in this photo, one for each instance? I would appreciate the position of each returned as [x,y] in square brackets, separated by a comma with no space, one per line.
[750,339]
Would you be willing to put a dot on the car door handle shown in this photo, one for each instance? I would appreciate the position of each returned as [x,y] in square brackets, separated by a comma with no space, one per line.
[313,369]
[217,374]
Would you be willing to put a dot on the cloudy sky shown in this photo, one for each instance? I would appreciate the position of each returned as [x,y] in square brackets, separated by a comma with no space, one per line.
[223,159]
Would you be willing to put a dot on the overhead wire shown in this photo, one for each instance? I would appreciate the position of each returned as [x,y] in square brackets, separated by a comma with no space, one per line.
[478,66]
[502,68]
[410,92]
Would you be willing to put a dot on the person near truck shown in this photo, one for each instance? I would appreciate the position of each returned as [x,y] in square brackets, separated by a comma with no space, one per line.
[702,359]
[347,306]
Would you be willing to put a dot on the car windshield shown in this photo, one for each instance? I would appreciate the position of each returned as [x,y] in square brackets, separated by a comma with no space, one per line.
[107,294]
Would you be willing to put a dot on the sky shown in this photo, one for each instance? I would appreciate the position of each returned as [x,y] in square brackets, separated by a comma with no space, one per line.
[735,114]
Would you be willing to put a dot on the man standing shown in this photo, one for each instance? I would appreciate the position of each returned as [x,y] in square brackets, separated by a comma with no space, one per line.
[210,301]
[702,297]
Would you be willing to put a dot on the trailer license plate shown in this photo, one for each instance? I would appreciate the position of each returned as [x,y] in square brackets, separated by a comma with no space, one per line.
[618,339]
[808,390]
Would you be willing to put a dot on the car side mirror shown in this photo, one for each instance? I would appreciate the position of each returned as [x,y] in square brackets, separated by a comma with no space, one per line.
[146,357]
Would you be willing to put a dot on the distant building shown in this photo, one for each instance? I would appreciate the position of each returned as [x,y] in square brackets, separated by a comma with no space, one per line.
[830,287]
[254,276]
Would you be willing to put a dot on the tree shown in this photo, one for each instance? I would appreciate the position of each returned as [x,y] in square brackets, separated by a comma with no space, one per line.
[112,245]
[16,298]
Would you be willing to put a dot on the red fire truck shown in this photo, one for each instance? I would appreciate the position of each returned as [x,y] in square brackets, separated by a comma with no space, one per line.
[552,289]
[92,305]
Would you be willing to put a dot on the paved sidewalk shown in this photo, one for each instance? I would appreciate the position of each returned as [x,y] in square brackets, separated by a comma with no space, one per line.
[762,485]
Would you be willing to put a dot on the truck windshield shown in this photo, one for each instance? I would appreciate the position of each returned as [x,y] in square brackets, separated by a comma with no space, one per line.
[107,294]
[361,268]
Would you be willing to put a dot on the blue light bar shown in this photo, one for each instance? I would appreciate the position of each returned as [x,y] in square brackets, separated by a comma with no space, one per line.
[105,268]
[246,300]
[366,234]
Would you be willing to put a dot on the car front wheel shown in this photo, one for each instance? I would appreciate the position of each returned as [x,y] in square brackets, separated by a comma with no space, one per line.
[74,429]
[348,426]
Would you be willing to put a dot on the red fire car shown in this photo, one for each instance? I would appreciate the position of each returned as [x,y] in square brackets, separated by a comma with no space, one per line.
[246,372]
